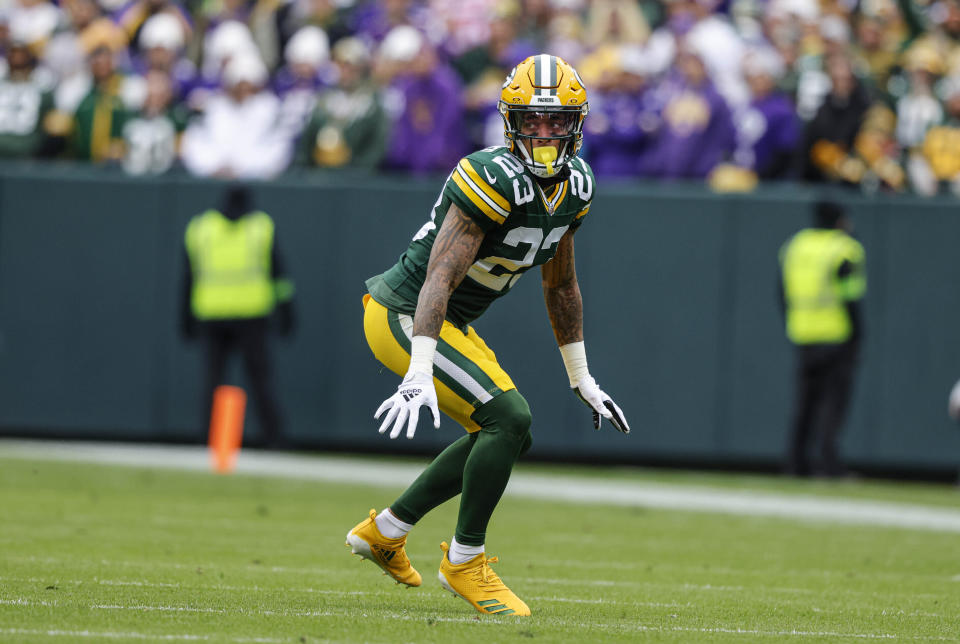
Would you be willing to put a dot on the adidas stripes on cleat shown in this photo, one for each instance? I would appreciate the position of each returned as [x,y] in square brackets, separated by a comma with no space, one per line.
[475,582]
[365,540]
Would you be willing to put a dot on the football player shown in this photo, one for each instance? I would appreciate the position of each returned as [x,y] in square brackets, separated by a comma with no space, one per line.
[502,211]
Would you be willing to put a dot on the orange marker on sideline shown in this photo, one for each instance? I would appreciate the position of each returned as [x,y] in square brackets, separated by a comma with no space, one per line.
[226,426]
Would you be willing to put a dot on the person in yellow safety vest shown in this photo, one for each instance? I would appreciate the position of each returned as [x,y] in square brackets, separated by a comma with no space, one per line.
[822,282]
[234,282]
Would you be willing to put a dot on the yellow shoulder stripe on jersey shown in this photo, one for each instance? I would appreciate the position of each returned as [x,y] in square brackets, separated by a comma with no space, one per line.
[483,189]
[477,200]
[581,213]
[490,192]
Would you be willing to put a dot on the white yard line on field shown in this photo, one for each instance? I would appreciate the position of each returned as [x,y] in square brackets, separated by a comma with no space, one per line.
[19,601]
[293,590]
[532,581]
[549,488]
[133,635]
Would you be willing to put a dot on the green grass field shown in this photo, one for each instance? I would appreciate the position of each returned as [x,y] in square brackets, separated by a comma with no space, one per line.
[113,553]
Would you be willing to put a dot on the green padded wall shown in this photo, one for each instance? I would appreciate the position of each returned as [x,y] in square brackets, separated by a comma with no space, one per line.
[682,324]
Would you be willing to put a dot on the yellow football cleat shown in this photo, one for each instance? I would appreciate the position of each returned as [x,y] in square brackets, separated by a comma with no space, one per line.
[365,540]
[476,582]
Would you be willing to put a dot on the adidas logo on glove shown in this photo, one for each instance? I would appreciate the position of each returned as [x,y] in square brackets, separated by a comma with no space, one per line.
[403,407]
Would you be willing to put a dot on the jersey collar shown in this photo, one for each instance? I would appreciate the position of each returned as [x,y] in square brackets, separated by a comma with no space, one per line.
[557,193]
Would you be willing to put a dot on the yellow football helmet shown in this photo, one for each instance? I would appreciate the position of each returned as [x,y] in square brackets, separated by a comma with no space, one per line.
[544,85]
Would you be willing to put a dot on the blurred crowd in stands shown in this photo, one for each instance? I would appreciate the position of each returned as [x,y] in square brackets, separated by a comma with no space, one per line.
[860,92]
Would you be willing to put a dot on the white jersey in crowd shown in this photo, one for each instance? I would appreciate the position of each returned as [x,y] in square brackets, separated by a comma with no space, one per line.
[241,139]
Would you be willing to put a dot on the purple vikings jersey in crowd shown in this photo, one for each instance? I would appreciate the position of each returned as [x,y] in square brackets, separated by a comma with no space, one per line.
[695,132]
[428,134]
[618,133]
[371,21]
[768,131]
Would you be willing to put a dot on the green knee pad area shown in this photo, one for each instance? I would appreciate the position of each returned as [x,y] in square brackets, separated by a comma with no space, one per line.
[507,414]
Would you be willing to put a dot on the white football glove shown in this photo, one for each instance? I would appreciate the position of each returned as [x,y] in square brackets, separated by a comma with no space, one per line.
[601,404]
[415,391]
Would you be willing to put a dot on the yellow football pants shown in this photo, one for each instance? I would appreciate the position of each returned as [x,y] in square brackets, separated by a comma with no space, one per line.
[466,373]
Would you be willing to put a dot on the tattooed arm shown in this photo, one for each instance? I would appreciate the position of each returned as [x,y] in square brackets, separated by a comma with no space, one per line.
[454,251]
[562,293]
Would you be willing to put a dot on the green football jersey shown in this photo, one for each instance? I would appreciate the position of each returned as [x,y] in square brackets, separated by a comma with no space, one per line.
[23,106]
[522,222]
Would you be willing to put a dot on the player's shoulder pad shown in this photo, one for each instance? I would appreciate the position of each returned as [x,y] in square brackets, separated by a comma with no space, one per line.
[496,165]
[579,165]
[483,178]
[582,185]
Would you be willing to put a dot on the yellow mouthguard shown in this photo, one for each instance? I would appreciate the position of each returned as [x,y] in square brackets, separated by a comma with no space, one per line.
[545,155]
